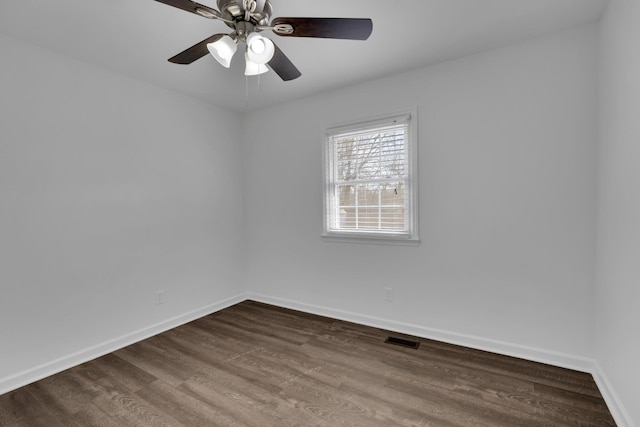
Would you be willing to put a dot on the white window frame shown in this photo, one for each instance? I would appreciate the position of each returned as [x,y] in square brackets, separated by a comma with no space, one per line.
[411,237]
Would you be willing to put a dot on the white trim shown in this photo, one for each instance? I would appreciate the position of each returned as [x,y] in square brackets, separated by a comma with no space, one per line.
[412,237]
[617,409]
[29,376]
[549,357]
[367,238]
[381,120]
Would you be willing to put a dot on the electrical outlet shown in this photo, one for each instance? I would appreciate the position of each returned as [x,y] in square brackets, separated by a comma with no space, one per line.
[388,294]
[159,297]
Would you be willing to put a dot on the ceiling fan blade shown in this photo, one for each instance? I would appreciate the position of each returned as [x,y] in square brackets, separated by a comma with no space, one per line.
[193,7]
[282,66]
[195,52]
[328,28]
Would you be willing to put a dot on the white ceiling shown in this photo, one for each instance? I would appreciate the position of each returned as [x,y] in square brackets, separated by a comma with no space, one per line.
[136,37]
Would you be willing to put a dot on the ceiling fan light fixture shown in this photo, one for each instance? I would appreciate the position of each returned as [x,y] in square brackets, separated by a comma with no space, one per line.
[253,69]
[260,49]
[247,19]
[223,50]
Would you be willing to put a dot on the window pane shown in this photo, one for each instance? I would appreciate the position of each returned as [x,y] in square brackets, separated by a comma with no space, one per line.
[371,155]
[372,207]
[369,178]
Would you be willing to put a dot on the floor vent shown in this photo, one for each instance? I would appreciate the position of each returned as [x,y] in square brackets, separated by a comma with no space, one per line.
[404,343]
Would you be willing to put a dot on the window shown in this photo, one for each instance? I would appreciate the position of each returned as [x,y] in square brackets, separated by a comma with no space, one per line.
[370,180]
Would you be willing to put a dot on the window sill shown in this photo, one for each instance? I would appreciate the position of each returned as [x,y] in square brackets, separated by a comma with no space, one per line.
[370,239]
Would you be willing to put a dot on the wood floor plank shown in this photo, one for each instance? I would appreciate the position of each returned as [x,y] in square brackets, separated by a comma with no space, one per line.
[186,408]
[129,408]
[96,416]
[231,403]
[258,365]
[125,373]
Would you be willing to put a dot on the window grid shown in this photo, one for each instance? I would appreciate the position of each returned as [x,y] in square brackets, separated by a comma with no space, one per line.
[369,179]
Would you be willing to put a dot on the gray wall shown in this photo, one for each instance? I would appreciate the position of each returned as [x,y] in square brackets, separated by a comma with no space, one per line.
[507,144]
[618,297]
[110,189]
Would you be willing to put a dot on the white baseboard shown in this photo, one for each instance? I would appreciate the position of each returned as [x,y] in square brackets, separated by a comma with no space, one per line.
[620,414]
[39,372]
[508,349]
[578,363]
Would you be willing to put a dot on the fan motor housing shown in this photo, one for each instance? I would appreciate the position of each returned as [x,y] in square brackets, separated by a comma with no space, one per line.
[234,10]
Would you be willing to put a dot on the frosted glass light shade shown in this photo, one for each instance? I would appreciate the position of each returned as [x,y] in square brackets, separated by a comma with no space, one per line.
[260,49]
[223,50]
[253,69]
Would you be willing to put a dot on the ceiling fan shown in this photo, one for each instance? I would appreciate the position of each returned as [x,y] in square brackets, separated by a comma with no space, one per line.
[248,18]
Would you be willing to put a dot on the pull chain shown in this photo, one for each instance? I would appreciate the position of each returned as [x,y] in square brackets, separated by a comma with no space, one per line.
[246,91]
[246,88]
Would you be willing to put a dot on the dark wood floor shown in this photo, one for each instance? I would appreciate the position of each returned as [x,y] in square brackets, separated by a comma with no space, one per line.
[258,365]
